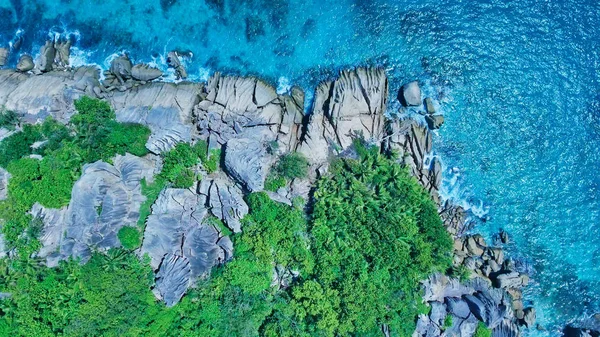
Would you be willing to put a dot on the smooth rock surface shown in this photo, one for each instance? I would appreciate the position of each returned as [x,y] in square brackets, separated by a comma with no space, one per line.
[350,107]
[166,108]
[105,198]
[410,94]
[248,162]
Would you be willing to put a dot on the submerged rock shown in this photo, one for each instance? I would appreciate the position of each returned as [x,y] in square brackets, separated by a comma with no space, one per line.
[25,63]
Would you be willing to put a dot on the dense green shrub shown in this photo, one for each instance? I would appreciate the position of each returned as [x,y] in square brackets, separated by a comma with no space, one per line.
[274,182]
[376,234]
[291,166]
[93,134]
[130,237]
[482,331]
[8,119]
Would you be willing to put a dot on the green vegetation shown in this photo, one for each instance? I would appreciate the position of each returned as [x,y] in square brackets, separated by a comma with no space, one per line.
[292,166]
[130,237]
[289,166]
[177,172]
[93,135]
[274,182]
[349,266]
[108,296]
[482,331]
[376,234]
[8,119]
[447,322]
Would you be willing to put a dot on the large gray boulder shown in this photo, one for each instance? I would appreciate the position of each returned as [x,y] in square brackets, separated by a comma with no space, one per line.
[105,198]
[350,107]
[25,63]
[3,56]
[181,246]
[245,107]
[410,94]
[166,108]
[47,55]
[35,97]
[173,279]
[144,72]
[486,308]
[226,202]
[63,52]
[248,162]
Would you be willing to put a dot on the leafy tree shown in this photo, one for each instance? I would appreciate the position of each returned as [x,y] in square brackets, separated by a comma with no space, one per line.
[376,234]
[482,331]
[130,237]
[8,119]
[291,166]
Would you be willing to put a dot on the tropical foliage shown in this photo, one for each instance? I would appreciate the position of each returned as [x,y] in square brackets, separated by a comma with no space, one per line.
[345,264]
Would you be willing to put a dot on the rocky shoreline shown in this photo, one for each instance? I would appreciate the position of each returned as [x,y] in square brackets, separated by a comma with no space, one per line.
[246,119]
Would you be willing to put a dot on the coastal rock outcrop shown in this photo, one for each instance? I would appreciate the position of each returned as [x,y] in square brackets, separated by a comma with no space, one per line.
[166,108]
[47,55]
[181,246]
[174,62]
[3,56]
[105,198]
[63,52]
[410,94]
[352,106]
[25,63]
[144,72]
[51,94]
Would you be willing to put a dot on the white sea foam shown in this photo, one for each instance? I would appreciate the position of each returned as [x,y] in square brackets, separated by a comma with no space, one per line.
[283,85]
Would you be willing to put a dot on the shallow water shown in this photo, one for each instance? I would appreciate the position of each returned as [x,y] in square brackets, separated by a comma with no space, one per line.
[518,82]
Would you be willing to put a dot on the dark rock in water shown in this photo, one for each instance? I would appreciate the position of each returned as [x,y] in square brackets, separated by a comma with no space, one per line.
[248,162]
[120,67]
[429,107]
[25,63]
[173,278]
[410,94]
[174,62]
[434,122]
[529,317]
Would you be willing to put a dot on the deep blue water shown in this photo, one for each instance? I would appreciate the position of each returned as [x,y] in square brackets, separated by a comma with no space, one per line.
[517,80]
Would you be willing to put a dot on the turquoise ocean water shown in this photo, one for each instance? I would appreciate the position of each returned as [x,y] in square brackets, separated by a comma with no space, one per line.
[518,82]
